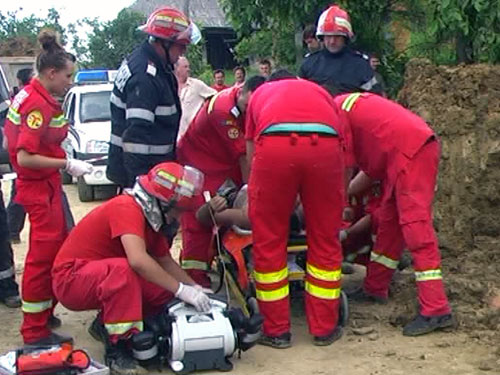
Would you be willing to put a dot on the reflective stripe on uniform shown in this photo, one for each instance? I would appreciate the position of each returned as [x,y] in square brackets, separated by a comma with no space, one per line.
[117,101]
[140,148]
[36,307]
[140,113]
[164,110]
[194,265]
[122,328]
[348,103]
[428,275]
[320,292]
[270,277]
[57,121]
[369,85]
[272,295]
[9,272]
[14,116]
[212,103]
[325,275]
[383,260]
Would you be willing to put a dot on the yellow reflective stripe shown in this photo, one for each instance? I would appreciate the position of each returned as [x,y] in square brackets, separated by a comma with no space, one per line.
[270,277]
[14,116]
[320,274]
[212,103]
[57,122]
[272,295]
[319,292]
[167,176]
[349,101]
[194,265]
[121,328]
[36,307]
[383,260]
[429,275]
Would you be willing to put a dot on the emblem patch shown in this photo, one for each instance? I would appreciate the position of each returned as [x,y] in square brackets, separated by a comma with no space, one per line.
[34,120]
[233,133]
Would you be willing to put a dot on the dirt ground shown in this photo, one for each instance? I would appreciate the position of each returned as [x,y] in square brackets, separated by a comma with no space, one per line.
[372,344]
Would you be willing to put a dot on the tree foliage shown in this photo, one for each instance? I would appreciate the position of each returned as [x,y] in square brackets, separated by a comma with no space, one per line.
[110,42]
[472,26]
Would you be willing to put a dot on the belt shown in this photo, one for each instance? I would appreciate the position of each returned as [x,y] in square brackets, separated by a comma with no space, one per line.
[300,128]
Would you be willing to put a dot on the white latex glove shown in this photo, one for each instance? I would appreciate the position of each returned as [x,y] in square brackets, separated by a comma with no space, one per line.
[193,296]
[77,167]
[204,290]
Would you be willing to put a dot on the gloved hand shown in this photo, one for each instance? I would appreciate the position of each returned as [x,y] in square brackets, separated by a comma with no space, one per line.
[193,296]
[77,167]
[204,290]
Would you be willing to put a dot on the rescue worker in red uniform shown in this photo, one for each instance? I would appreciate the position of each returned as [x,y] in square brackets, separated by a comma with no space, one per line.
[117,260]
[214,143]
[294,128]
[393,145]
[35,128]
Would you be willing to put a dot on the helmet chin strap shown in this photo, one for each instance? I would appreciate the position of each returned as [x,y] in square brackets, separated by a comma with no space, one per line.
[150,206]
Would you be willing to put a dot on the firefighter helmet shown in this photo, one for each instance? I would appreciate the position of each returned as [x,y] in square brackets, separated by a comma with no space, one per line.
[172,25]
[334,21]
[173,185]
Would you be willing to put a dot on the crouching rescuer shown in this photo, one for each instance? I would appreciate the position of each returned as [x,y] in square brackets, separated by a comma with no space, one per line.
[117,260]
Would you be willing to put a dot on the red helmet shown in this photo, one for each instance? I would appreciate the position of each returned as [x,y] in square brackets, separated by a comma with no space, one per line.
[173,184]
[170,24]
[334,21]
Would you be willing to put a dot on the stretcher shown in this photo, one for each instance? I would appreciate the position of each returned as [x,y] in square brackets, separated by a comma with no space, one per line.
[236,267]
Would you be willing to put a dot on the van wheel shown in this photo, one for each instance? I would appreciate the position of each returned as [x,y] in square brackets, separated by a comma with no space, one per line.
[85,192]
[66,178]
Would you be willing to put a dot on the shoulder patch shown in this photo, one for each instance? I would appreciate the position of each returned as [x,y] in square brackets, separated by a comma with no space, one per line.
[362,55]
[233,133]
[151,69]
[122,76]
[34,119]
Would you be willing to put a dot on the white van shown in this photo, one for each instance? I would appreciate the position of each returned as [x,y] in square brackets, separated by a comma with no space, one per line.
[88,112]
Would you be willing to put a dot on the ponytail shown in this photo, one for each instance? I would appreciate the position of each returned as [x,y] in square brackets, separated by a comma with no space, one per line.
[52,54]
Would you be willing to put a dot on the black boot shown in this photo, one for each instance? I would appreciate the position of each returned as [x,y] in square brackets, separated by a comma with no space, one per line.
[330,338]
[360,295]
[54,322]
[426,324]
[120,361]
[279,342]
[51,340]
[97,330]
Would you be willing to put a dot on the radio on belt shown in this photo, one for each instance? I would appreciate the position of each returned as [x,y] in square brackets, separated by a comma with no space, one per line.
[189,340]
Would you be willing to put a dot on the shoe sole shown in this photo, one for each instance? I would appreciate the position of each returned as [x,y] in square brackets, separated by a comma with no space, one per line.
[275,346]
[336,336]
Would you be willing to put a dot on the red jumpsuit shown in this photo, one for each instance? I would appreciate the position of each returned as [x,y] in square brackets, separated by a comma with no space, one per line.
[35,123]
[213,143]
[304,157]
[391,144]
[91,271]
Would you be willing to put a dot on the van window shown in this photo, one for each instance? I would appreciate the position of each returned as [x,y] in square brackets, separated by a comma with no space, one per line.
[94,106]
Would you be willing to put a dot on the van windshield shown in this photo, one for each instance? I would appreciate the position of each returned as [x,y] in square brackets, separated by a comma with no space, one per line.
[94,106]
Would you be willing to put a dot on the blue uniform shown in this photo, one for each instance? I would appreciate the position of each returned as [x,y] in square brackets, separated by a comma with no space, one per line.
[145,116]
[343,72]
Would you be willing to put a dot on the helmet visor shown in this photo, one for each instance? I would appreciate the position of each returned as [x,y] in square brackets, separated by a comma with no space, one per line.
[191,182]
[191,35]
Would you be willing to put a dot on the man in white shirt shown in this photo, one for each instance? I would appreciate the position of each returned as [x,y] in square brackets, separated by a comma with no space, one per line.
[192,93]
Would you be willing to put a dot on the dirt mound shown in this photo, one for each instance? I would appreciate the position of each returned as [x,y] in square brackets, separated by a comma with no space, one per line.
[462,104]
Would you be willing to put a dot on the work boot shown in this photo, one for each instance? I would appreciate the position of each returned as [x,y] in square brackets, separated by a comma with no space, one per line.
[120,361]
[97,330]
[425,324]
[360,295]
[51,340]
[278,342]
[330,338]
[12,302]
[54,322]
[404,262]
[347,268]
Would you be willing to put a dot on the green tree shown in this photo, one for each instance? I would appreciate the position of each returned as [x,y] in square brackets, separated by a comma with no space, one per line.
[110,42]
[472,26]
